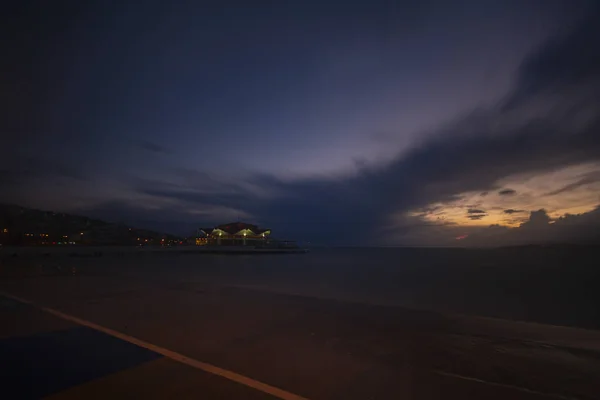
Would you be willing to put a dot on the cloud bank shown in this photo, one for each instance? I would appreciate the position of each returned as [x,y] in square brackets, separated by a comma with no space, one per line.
[523,170]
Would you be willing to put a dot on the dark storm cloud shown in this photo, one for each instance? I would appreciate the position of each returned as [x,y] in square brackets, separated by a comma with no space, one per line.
[537,219]
[345,210]
[194,186]
[507,192]
[476,217]
[589,178]
[199,197]
[563,61]
[466,155]
[539,228]
[513,211]
[475,211]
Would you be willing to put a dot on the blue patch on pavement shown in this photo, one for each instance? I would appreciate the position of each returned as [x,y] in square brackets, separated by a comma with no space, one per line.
[36,366]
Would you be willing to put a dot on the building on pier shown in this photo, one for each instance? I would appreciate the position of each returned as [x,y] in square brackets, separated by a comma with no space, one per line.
[233,234]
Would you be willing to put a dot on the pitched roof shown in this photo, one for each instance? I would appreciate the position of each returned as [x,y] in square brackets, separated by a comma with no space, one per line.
[235,227]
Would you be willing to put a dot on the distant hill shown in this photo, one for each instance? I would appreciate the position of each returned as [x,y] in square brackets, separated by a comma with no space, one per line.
[26,226]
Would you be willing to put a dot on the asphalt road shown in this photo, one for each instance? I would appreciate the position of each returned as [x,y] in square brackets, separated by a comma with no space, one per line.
[109,336]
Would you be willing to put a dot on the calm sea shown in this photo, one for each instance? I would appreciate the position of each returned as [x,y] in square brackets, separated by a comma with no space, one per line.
[555,285]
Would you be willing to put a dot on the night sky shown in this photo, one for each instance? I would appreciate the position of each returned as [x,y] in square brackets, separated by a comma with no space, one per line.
[372,122]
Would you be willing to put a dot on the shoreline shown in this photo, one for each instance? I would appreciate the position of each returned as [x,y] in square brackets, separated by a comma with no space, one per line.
[70,250]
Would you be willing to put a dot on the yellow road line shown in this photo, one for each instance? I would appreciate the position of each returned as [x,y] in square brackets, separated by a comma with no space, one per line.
[212,369]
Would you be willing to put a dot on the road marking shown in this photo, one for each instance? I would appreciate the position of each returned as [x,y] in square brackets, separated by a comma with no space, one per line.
[20,300]
[212,369]
[521,389]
